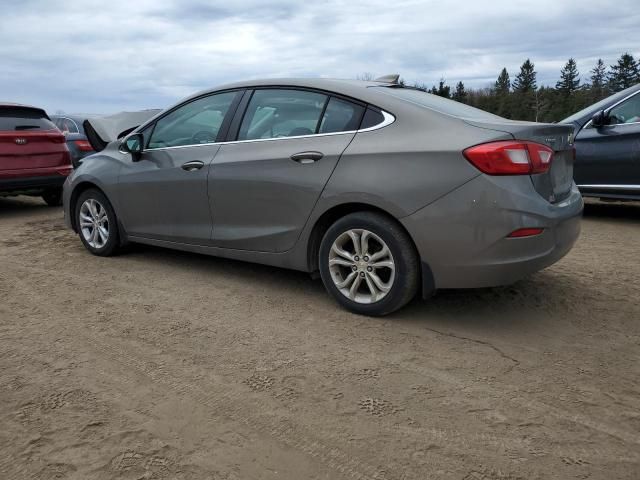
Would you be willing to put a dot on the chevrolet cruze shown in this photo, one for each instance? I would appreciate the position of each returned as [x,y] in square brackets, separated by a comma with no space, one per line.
[383,190]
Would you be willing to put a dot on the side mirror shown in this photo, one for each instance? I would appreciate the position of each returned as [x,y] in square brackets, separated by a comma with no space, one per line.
[599,119]
[134,145]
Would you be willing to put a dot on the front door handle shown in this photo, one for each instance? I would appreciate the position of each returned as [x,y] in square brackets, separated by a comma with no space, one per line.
[306,157]
[193,165]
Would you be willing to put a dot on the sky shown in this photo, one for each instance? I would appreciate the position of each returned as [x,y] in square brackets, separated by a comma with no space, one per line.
[107,56]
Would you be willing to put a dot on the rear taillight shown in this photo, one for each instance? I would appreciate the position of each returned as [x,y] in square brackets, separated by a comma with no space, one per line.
[83,145]
[510,157]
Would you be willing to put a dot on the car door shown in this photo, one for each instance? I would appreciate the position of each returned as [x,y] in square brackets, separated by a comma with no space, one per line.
[608,157]
[164,193]
[264,184]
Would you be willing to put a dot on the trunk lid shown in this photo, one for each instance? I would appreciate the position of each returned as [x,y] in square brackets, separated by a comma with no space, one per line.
[554,185]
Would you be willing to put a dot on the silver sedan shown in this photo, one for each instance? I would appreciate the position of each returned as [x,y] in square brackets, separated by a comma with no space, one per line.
[383,190]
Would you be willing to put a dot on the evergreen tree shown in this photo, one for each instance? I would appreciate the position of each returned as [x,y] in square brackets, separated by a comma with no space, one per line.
[526,80]
[524,105]
[599,75]
[503,84]
[625,73]
[442,90]
[460,94]
[569,79]
[598,88]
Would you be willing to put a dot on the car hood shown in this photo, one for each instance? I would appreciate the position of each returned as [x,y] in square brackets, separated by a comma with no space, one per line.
[103,130]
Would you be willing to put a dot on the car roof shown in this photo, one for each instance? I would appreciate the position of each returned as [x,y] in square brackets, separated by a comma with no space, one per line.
[359,89]
[39,110]
[21,105]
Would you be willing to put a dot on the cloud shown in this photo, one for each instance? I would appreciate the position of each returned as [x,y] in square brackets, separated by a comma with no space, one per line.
[103,57]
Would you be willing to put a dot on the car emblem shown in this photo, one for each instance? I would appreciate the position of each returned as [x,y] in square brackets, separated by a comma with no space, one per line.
[550,140]
[21,141]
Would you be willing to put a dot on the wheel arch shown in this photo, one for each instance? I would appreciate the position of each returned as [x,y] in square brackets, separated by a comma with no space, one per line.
[78,190]
[330,216]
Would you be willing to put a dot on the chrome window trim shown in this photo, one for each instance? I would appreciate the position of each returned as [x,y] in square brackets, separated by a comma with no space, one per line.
[612,187]
[388,119]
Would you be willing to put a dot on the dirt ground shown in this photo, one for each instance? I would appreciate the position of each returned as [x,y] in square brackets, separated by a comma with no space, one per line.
[162,364]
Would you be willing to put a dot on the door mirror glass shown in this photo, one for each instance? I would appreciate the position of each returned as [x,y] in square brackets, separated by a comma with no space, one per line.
[133,144]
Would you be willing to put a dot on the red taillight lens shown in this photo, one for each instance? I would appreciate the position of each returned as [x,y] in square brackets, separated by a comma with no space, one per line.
[83,145]
[526,232]
[510,157]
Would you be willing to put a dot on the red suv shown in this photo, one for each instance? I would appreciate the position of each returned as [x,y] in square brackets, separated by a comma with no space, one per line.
[34,158]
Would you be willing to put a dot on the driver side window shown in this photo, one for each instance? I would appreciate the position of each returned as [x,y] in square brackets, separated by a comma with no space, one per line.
[195,123]
[626,112]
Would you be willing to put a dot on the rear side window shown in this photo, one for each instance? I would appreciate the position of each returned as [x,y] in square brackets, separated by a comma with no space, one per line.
[12,119]
[341,116]
[371,118]
[276,113]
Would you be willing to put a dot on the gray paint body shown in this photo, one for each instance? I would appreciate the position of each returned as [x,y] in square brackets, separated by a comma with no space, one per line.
[252,202]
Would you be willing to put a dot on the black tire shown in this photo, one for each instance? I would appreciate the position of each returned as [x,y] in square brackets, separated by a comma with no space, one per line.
[405,258]
[53,197]
[112,244]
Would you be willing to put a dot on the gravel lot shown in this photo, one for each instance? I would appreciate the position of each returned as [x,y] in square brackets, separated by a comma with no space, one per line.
[161,364]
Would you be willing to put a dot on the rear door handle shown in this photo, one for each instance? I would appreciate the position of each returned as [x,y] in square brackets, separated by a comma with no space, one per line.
[306,157]
[193,165]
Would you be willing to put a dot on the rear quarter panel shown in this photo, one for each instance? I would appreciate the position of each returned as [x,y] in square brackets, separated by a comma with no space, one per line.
[408,164]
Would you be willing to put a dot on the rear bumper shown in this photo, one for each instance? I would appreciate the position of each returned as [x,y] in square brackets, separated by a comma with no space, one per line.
[26,184]
[462,237]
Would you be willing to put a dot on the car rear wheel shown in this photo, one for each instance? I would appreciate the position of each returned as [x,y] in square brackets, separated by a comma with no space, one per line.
[369,264]
[96,223]
[53,197]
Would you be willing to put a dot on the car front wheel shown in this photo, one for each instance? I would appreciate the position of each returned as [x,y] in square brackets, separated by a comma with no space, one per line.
[96,223]
[369,264]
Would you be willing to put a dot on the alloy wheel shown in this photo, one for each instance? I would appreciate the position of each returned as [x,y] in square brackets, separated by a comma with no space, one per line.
[94,223]
[361,266]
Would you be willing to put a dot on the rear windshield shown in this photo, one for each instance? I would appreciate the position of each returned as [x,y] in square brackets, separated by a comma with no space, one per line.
[439,104]
[23,119]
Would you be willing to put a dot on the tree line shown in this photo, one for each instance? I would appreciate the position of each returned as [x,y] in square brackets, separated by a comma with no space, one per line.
[523,99]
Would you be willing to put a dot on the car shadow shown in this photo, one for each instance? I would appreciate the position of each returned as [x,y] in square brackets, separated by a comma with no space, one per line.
[544,295]
[605,210]
[20,205]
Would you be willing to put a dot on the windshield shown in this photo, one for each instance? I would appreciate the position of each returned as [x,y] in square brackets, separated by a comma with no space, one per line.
[439,104]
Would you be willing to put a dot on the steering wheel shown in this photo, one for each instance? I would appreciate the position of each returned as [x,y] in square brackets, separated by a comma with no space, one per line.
[203,136]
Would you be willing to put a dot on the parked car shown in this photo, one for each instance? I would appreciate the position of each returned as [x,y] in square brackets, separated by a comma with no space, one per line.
[71,126]
[384,190]
[34,158]
[607,140]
